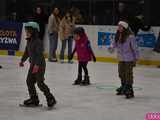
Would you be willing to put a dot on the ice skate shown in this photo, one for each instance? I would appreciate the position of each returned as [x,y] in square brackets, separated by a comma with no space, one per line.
[129,93]
[120,90]
[78,80]
[31,102]
[51,101]
[86,81]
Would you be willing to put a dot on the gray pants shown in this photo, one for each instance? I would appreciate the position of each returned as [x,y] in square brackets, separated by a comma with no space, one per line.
[53,42]
[64,42]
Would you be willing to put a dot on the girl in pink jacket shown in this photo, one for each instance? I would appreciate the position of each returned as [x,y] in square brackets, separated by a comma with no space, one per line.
[84,55]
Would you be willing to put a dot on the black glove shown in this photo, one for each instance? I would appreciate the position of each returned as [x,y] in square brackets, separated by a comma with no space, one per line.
[94,58]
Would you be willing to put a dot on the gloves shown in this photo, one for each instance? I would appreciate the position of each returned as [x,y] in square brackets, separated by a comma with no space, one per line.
[21,64]
[94,58]
[35,69]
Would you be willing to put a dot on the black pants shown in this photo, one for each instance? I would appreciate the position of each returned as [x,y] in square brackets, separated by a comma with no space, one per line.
[82,65]
[38,78]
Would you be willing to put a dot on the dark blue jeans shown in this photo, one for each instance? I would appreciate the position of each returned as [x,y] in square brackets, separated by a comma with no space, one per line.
[157,46]
[64,42]
[53,42]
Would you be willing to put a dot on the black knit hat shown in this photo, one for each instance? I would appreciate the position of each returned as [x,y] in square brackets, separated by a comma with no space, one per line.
[79,31]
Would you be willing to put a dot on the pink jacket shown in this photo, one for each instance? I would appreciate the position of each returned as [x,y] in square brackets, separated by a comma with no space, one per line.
[84,53]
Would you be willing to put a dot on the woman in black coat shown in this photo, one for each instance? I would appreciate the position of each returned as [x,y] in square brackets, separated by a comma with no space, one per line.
[41,18]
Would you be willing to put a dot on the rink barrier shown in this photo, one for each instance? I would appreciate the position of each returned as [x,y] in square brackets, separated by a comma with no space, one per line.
[99,59]
[147,56]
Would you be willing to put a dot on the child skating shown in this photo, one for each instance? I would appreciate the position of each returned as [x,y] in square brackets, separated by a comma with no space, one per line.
[84,55]
[34,51]
[127,52]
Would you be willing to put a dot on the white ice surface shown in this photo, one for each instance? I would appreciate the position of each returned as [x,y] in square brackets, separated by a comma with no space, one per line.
[95,102]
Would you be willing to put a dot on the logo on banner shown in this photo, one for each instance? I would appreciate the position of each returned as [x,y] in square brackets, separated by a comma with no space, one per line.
[10,35]
[105,38]
[146,40]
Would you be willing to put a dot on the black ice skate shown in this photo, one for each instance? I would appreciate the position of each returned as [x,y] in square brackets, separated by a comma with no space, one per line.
[86,81]
[129,93]
[78,80]
[51,101]
[120,90]
[31,102]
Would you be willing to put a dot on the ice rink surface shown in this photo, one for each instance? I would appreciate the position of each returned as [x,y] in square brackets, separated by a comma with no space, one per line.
[95,102]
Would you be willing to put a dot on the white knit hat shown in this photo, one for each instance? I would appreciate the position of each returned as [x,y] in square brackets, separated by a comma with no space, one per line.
[124,24]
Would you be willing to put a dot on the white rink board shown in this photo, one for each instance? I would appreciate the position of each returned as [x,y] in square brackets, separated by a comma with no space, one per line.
[92,31]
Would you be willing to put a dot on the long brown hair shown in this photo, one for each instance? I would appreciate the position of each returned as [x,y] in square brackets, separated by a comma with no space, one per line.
[124,35]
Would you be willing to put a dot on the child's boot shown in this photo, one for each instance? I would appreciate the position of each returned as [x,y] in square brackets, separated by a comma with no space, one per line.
[51,101]
[33,101]
[78,80]
[86,80]
[129,93]
[121,89]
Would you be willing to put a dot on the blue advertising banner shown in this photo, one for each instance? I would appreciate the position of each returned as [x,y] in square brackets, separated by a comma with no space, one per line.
[105,38]
[147,40]
[10,35]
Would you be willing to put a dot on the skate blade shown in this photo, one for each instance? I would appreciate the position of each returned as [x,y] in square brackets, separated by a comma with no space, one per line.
[32,106]
[50,108]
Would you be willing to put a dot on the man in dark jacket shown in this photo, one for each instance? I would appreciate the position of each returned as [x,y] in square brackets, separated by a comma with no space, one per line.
[34,51]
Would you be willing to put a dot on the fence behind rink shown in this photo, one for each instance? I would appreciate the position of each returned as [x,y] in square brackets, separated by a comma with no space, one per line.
[100,38]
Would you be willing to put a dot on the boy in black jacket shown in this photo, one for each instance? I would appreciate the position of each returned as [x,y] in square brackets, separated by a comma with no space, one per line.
[34,51]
